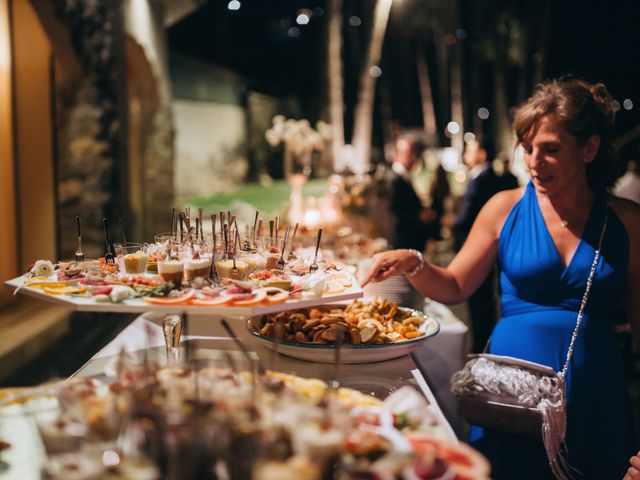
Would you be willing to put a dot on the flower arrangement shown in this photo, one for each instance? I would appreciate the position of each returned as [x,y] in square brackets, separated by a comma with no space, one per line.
[297,135]
[41,268]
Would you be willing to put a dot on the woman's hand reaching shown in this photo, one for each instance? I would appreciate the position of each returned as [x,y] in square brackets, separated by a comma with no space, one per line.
[391,263]
[634,470]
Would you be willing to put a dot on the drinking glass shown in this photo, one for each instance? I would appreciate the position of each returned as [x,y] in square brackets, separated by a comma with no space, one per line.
[172,330]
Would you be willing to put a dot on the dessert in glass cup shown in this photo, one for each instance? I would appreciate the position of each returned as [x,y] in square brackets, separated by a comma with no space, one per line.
[132,258]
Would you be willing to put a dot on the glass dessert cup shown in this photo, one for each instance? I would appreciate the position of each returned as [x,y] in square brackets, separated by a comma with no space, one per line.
[171,270]
[224,268]
[197,260]
[132,258]
[255,261]
[270,250]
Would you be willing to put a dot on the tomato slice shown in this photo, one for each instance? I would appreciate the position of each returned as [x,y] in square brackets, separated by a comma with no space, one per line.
[211,302]
[278,297]
[256,298]
[170,300]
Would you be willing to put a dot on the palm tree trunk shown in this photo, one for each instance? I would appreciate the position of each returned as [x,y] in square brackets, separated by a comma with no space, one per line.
[363,121]
[504,137]
[336,100]
[456,98]
[426,96]
[541,40]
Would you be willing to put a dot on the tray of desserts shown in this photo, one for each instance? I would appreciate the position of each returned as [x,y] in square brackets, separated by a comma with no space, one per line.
[186,271]
[89,286]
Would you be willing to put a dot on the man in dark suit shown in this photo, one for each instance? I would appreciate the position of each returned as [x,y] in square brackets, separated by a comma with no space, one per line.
[412,219]
[483,184]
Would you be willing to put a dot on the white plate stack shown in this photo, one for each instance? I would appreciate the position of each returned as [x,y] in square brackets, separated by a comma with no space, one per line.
[395,289]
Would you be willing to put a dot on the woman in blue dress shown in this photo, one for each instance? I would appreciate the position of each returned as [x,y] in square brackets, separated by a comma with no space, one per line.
[543,237]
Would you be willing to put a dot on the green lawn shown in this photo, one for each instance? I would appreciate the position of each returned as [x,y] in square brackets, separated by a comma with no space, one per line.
[269,199]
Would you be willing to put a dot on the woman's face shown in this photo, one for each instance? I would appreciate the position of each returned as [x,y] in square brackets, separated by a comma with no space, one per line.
[555,159]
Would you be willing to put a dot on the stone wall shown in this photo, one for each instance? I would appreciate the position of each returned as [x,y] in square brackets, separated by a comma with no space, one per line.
[114,129]
[89,125]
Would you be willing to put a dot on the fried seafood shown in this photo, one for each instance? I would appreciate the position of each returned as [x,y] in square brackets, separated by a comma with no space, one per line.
[370,323]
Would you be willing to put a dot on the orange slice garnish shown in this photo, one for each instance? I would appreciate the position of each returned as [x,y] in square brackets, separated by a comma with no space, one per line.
[211,302]
[278,298]
[256,298]
[63,290]
[170,300]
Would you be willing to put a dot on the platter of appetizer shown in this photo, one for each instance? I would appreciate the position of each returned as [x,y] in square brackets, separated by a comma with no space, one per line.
[365,331]
[87,286]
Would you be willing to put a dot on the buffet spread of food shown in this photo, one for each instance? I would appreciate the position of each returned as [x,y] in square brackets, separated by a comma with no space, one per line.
[214,419]
[221,420]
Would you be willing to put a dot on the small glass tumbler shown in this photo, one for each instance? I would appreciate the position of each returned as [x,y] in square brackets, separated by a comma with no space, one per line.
[172,330]
[132,258]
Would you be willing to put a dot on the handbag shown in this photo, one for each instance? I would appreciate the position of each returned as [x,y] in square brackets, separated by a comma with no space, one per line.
[520,397]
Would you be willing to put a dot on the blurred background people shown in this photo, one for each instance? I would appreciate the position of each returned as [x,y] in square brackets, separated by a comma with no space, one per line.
[412,220]
[483,184]
[628,185]
[439,191]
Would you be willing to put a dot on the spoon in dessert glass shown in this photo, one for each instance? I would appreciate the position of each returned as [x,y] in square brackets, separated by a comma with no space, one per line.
[79,252]
[314,266]
[281,263]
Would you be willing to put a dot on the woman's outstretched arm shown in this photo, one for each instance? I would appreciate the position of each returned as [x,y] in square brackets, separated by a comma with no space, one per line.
[468,269]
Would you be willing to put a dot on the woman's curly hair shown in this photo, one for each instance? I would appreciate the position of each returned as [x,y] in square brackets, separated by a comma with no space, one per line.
[585,109]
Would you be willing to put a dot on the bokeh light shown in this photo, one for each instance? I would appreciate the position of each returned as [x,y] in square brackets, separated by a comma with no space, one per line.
[453,128]
[355,21]
[468,137]
[627,104]
[450,159]
[234,5]
[449,39]
[375,71]
[483,113]
[460,176]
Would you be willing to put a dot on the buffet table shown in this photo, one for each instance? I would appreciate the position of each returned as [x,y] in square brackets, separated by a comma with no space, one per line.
[436,360]
[205,332]
[428,369]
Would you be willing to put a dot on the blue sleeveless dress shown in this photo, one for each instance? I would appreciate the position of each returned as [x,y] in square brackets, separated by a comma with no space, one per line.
[540,301]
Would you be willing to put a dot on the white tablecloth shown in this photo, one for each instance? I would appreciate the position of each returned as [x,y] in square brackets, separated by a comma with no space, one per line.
[439,358]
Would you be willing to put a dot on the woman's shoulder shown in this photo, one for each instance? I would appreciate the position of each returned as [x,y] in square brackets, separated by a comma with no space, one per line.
[496,210]
[504,201]
[629,214]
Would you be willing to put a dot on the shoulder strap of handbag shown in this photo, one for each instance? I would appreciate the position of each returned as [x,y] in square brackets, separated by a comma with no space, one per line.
[585,297]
